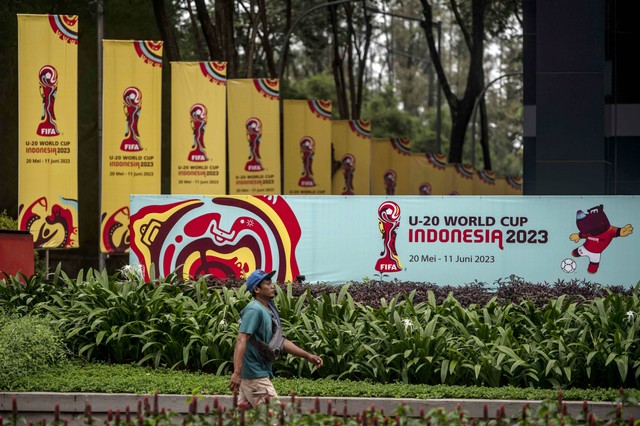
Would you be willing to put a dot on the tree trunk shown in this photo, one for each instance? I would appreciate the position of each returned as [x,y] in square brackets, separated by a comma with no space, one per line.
[362,64]
[202,53]
[224,25]
[484,136]
[287,26]
[338,68]
[166,31]
[264,37]
[460,109]
[209,31]
[251,40]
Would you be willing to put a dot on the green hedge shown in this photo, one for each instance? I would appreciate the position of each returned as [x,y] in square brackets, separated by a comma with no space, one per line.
[28,345]
[190,326]
[112,378]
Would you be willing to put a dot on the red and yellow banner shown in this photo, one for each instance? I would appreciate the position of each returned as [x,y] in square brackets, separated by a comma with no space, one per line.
[198,119]
[428,176]
[352,149]
[484,183]
[48,129]
[132,86]
[510,185]
[390,166]
[307,147]
[254,136]
[461,179]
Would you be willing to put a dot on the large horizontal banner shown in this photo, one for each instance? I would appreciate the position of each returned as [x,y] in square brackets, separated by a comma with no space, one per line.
[441,240]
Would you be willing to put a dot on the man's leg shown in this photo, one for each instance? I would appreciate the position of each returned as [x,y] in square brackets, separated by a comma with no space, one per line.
[254,391]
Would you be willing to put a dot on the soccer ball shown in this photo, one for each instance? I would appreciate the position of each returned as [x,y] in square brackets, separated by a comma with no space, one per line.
[568,265]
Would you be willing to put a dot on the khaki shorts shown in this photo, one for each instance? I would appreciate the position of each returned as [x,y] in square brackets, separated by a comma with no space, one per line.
[254,391]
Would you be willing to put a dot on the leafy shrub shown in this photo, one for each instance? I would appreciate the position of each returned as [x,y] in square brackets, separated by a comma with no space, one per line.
[512,289]
[22,297]
[423,336]
[27,345]
[7,222]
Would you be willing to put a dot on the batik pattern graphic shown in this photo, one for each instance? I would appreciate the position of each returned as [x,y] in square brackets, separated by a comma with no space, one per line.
[224,237]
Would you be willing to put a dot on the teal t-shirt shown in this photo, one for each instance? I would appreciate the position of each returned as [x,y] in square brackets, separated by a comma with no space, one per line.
[256,320]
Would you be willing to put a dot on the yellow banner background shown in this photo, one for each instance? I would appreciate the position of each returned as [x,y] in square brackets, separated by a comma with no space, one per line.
[254,136]
[390,171]
[429,175]
[307,147]
[484,183]
[198,119]
[48,129]
[132,86]
[509,185]
[352,148]
[461,179]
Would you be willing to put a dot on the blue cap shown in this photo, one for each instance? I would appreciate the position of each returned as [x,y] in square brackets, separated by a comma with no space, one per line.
[257,277]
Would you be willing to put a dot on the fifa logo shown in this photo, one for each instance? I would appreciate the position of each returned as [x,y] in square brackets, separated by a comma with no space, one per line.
[48,77]
[388,223]
[424,188]
[198,125]
[254,135]
[390,182]
[132,99]
[307,150]
[348,169]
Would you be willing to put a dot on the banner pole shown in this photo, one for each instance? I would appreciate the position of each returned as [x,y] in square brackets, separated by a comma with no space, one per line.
[100,28]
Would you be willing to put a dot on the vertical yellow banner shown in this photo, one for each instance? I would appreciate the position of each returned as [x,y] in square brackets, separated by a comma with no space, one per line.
[307,147]
[484,183]
[48,129]
[254,136]
[462,177]
[352,148]
[509,185]
[429,174]
[390,172]
[418,181]
[132,85]
[198,132]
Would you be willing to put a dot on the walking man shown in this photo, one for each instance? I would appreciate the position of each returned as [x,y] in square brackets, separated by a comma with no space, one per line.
[252,368]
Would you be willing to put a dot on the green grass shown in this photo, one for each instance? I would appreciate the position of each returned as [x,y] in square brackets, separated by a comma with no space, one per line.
[105,378]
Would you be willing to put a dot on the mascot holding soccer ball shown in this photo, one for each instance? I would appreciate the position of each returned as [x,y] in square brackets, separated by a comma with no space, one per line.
[595,229]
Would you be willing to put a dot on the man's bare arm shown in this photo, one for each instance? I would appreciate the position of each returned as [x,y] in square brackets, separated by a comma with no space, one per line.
[293,349]
[238,356]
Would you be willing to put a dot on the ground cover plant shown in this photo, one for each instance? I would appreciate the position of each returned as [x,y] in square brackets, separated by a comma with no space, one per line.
[586,339]
[95,377]
[288,411]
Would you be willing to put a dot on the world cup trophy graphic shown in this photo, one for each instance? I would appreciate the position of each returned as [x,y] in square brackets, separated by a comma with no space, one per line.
[390,182]
[198,125]
[348,169]
[254,135]
[388,223]
[425,188]
[307,150]
[48,77]
[132,99]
